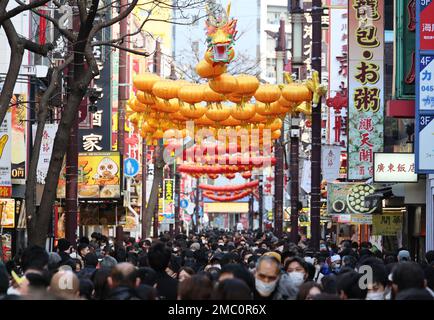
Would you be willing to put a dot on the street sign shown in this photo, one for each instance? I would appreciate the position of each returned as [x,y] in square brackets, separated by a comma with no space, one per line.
[183,204]
[426,84]
[131,167]
[426,148]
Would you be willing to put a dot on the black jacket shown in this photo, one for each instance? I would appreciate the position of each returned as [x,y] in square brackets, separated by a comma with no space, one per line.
[167,287]
[123,293]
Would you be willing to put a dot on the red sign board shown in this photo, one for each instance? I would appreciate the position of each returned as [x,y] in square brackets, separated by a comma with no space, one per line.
[5,192]
[426,26]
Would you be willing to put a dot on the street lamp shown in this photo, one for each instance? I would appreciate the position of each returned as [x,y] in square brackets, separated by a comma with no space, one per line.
[297,16]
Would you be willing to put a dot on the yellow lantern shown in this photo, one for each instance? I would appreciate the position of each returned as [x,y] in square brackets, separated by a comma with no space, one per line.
[192,111]
[276,134]
[268,93]
[224,84]
[210,95]
[146,81]
[137,106]
[244,112]
[258,118]
[275,124]
[204,121]
[247,85]
[207,70]
[145,98]
[268,109]
[218,113]
[230,122]
[191,94]
[168,106]
[296,92]
[166,89]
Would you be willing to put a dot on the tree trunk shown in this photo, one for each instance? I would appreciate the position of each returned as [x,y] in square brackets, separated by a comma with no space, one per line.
[156,182]
[41,223]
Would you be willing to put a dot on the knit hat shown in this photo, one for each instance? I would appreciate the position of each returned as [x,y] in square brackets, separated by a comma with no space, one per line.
[274,255]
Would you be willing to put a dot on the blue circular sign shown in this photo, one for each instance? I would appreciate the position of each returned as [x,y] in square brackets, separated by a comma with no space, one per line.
[183,203]
[131,167]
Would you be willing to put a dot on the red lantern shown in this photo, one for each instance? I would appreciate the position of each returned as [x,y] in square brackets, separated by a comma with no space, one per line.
[246,175]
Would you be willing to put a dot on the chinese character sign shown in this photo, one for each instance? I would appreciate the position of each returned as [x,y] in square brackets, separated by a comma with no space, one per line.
[5,157]
[168,214]
[46,150]
[330,158]
[365,86]
[426,24]
[394,167]
[19,138]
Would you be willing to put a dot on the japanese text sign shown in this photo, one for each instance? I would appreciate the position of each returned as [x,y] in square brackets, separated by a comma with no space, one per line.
[365,86]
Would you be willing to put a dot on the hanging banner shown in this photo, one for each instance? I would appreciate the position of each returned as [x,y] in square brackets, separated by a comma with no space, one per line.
[168,212]
[331,161]
[46,150]
[365,86]
[19,138]
[306,176]
[5,157]
[338,71]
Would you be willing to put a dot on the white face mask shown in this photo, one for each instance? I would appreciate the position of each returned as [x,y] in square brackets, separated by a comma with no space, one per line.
[265,289]
[297,278]
[375,296]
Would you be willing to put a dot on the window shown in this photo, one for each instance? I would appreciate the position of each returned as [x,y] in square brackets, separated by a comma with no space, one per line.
[271,68]
[273,14]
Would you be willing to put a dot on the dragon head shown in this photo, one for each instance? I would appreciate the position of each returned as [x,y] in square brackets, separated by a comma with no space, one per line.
[221,32]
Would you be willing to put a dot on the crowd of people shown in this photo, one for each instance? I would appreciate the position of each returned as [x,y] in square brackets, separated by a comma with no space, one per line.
[218,265]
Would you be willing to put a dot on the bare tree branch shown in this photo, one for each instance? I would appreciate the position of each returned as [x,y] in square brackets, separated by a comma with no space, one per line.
[23,7]
[34,158]
[66,33]
[136,52]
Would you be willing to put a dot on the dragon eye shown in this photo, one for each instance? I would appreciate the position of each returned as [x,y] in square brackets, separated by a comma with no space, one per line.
[102,167]
[110,167]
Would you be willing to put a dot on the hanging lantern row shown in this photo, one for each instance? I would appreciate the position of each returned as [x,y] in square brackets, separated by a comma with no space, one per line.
[197,171]
[248,185]
[230,198]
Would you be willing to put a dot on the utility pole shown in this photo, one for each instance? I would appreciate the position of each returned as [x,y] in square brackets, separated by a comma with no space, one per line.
[71,165]
[123,83]
[279,144]
[315,210]
[177,201]
[144,179]
[294,173]
[196,207]
[261,203]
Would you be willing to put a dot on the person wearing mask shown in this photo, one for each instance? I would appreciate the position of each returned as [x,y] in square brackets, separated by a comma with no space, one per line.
[267,276]
[335,262]
[297,270]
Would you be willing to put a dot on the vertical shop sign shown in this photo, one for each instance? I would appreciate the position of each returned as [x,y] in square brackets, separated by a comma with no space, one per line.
[365,86]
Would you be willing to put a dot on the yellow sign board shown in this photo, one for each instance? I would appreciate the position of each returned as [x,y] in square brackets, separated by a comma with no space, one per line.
[7,211]
[98,176]
[387,224]
[226,207]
